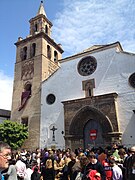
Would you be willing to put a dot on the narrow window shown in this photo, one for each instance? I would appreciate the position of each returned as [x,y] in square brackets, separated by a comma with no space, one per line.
[33,50]
[46,29]
[24,121]
[24,53]
[36,28]
[88,87]
[89,92]
[55,56]
[48,52]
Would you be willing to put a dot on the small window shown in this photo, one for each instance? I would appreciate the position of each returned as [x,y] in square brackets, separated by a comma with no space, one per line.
[24,121]
[88,87]
[46,29]
[25,53]
[55,56]
[36,28]
[132,80]
[33,50]
[48,52]
[50,99]
[89,92]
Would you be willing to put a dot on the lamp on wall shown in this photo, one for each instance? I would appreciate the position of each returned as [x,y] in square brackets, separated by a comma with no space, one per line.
[134,111]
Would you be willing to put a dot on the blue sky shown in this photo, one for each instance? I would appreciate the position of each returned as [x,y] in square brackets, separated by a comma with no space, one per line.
[77,25]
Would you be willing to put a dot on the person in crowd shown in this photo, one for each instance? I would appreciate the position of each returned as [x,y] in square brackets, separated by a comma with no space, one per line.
[79,166]
[28,158]
[11,174]
[23,155]
[64,170]
[125,163]
[115,152]
[38,156]
[21,169]
[48,172]
[35,175]
[71,164]
[76,169]
[117,172]
[94,164]
[123,158]
[33,156]
[107,166]
[130,166]
[84,161]
[58,164]
[50,156]
[60,159]
[44,155]
[123,155]
[28,172]
[5,156]
[102,156]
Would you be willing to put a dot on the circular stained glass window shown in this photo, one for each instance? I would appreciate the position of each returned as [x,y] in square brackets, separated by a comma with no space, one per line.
[87,65]
[50,99]
[132,80]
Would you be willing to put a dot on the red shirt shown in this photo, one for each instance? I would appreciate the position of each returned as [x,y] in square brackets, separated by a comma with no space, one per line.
[108,169]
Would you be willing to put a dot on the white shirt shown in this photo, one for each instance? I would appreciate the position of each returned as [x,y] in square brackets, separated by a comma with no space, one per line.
[28,174]
[117,173]
[20,168]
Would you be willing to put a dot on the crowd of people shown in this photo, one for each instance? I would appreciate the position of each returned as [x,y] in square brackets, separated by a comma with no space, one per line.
[109,163]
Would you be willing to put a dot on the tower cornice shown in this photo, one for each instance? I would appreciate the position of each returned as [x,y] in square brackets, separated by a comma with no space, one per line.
[41,35]
[41,16]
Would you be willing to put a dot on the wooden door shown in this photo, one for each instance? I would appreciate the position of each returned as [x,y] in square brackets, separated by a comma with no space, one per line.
[92,125]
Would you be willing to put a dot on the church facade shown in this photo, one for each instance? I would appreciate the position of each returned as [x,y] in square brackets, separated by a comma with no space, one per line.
[91,98]
[83,100]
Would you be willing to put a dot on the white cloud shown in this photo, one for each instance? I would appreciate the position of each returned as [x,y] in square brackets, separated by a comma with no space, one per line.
[82,24]
[6,86]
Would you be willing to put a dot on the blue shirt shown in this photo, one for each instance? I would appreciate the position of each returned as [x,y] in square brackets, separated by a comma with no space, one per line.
[1,177]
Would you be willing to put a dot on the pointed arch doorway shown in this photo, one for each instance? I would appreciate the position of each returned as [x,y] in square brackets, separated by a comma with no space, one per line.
[93,134]
[83,115]
[87,119]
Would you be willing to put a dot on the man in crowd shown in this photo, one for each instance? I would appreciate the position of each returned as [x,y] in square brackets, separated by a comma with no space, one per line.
[117,172]
[94,164]
[5,156]
[107,166]
[130,166]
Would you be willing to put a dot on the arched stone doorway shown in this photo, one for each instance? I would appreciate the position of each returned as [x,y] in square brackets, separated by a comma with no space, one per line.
[89,118]
[82,115]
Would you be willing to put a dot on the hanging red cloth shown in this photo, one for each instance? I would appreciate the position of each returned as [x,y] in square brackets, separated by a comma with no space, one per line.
[25,96]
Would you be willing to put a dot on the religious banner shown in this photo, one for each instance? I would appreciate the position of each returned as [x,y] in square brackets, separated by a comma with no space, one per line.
[25,96]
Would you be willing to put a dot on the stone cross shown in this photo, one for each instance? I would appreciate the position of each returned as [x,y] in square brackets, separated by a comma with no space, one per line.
[53,129]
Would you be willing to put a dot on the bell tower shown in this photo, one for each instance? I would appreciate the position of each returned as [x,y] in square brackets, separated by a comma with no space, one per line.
[36,59]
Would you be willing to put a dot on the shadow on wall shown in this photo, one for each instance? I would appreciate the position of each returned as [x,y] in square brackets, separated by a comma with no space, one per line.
[129,133]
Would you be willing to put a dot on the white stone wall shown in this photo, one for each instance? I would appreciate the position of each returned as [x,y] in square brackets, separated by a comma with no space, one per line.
[111,75]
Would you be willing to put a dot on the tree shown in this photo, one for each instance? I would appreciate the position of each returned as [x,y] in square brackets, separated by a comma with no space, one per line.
[13,133]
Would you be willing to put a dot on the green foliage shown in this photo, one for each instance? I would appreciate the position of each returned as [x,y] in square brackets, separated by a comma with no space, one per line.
[13,133]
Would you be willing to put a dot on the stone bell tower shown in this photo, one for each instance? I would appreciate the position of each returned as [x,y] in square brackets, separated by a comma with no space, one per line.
[36,59]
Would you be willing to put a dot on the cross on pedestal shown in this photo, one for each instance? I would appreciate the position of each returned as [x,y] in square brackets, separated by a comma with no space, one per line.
[53,129]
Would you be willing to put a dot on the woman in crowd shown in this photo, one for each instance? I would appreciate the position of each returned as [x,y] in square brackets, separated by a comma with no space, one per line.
[48,172]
